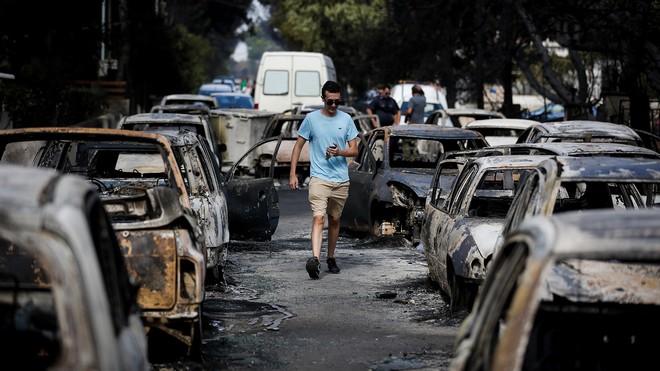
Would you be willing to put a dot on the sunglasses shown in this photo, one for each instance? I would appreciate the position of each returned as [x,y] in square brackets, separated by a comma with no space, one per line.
[330,102]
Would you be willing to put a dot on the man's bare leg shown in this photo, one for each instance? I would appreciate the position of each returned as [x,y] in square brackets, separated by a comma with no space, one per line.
[317,235]
[333,235]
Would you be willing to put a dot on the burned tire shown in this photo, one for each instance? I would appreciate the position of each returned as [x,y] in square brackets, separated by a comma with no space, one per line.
[195,351]
[462,294]
[456,293]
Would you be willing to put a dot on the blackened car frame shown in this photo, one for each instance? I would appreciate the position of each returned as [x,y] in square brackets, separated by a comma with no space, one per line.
[391,175]
[144,193]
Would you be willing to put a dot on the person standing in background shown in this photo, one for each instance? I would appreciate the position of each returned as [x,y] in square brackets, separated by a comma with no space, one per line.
[385,107]
[416,105]
[332,138]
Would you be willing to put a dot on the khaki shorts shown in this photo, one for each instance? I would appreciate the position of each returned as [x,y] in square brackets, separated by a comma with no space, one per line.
[327,197]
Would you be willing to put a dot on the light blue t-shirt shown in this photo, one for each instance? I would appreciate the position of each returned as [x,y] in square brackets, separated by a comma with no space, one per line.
[323,132]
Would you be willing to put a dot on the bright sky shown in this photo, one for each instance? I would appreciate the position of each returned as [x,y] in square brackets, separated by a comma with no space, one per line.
[257,12]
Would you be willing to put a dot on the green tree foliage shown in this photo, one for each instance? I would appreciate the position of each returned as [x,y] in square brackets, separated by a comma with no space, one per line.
[348,31]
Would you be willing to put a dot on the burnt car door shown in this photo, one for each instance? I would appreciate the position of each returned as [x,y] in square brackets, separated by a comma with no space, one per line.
[253,201]
[361,173]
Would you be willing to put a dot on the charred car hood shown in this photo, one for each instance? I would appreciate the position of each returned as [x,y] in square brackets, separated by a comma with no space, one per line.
[419,180]
[485,232]
[606,282]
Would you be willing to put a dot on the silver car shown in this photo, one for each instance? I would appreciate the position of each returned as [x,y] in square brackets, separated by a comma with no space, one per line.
[459,233]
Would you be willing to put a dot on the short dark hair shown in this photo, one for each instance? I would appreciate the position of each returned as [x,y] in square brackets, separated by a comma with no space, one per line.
[330,86]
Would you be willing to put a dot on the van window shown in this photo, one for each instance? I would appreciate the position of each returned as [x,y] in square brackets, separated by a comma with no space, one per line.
[308,84]
[276,82]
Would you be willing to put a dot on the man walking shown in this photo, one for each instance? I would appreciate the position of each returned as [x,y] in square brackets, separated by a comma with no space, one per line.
[332,138]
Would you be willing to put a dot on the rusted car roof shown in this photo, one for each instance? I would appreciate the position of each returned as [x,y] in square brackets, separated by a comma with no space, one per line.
[605,167]
[581,130]
[59,133]
[576,149]
[198,123]
[428,131]
[189,99]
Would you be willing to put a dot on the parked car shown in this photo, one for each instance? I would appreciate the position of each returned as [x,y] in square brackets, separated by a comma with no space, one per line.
[66,298]
[145,195]
[459,233]
[196,123]
[580,131]
[198,99]
[566,183]
[391,174]
[228,80]
[210,88]
[500,130]
[234,100]
[459,117]
[551,112]
[577,290]
[210,116]
[284,126]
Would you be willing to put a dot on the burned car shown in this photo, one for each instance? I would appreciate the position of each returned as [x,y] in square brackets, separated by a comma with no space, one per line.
[202,180]
[459,233]
[176,117]
[278,153]
[580,131]
[144,193]
[460,117]
[567,183]
[577,290]
[66,298]
[391,175]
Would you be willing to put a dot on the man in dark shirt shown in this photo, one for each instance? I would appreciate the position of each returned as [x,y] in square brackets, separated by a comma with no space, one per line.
[385,107]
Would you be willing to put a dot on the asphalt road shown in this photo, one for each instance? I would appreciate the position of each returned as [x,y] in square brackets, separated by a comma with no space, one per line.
[379,313]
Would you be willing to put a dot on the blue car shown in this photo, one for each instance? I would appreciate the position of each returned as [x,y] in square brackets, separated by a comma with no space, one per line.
[234,100]
[547,113]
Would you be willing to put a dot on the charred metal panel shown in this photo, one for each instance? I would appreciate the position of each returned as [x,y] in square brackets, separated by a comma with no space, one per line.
[255,203]
[151,257]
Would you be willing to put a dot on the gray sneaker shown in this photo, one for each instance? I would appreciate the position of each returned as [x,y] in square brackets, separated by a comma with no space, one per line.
[332,266]
[313,267]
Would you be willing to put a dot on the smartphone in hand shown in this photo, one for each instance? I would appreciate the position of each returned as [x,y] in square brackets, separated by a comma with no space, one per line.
[328,154]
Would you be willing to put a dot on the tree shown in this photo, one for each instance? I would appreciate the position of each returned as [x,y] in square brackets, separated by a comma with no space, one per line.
[620,35]
[347,31]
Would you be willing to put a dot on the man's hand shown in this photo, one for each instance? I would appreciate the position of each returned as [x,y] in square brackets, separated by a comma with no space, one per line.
[293,182]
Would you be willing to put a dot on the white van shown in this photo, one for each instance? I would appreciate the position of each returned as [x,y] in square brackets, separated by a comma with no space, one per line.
[287,80]
[402,93]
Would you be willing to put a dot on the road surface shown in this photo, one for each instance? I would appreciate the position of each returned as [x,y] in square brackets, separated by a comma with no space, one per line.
[379,313]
